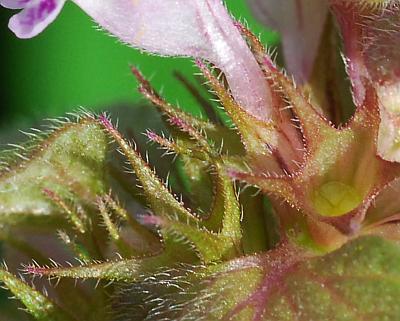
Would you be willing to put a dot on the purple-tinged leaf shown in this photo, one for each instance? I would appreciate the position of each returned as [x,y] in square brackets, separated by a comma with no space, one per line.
[360,281]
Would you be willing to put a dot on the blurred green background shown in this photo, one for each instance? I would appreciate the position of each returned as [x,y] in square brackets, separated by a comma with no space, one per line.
[72,64]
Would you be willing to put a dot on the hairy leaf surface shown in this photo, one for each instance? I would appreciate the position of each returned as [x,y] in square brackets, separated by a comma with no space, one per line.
[70,162]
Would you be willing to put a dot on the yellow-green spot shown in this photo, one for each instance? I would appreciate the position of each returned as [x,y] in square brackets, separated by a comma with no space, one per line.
[335,199]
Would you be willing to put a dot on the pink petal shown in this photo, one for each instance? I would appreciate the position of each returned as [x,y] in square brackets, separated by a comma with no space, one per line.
[197,28]
[372,38]
[14,4]
[35,17]
[301,23]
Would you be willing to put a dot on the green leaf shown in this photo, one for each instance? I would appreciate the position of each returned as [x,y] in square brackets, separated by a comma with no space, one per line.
[208,245]
[189,129]
[69,161]
[225,214]
[123,270]
[360,281]
[161,201]
[36,303]
[175,217]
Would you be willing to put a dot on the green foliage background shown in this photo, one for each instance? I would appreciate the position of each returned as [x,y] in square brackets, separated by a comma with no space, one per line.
[72,64]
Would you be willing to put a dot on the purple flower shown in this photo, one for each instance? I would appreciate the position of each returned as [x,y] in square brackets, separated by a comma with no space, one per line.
[35,16]
[197,28]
